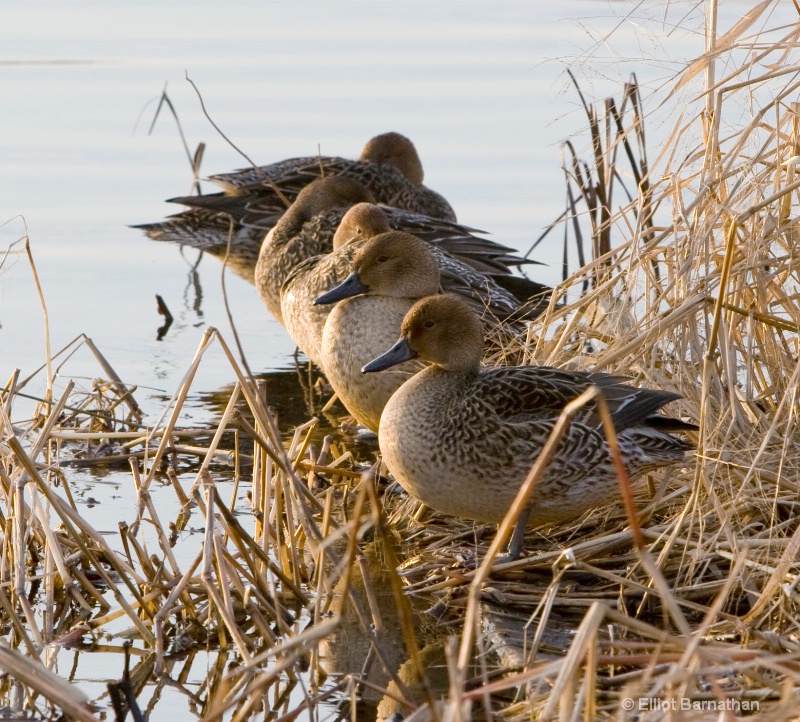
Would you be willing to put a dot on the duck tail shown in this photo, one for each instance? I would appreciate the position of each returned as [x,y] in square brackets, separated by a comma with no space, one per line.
[668,424]
[533,297]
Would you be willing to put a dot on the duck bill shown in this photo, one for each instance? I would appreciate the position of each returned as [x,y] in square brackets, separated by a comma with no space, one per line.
[351,286]
[398,353]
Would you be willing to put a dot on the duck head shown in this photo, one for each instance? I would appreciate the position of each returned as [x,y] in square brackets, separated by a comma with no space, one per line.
[440,330]
[394,264]
[396,150]
[363,220]
[325,194]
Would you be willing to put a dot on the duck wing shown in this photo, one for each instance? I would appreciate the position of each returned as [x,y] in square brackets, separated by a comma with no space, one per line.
[249,197]
[521,393]
[292,174]
[479,290]
[461,242]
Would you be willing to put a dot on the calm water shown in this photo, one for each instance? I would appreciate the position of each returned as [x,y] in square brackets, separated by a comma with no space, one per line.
[480,88]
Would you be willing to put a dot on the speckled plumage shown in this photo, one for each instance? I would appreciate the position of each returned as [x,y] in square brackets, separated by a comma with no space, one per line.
[386,182]
[463,439]
[463,444]
[305,321]
[286,247]
[360,328]
[389,168]
[357,330]
[302,234]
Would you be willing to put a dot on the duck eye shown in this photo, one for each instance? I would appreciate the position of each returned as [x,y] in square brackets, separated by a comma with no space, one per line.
[358,230]
[429,324]
[383,259]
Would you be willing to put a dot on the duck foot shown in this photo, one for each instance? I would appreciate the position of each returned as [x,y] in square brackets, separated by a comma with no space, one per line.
[517,543]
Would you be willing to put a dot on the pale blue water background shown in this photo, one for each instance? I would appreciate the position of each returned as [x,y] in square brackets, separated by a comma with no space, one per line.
[479,87]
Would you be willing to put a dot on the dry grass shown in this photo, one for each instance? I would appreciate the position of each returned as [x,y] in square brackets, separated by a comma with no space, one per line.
[694,286]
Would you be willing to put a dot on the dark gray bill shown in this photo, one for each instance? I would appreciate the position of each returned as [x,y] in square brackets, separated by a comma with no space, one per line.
[398,353]
[351,286]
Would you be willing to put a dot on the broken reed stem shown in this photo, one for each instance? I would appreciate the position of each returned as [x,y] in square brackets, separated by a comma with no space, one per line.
[68,518]
[562,694]
[47,684]
[401,600]
[45,316]
[182,393]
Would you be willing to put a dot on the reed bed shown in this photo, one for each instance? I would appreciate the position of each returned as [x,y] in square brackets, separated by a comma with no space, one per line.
[680,602]
[258,594]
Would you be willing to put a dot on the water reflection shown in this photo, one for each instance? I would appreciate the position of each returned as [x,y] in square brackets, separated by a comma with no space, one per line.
[298,393]
[369,672]
[377,681]
[192,296]
[165,312]
[384,678]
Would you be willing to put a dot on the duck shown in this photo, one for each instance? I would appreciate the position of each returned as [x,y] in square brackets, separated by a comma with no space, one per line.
[302,318]
[306,230]
[390,271]
[462,438]
[466,258]
[254,199]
